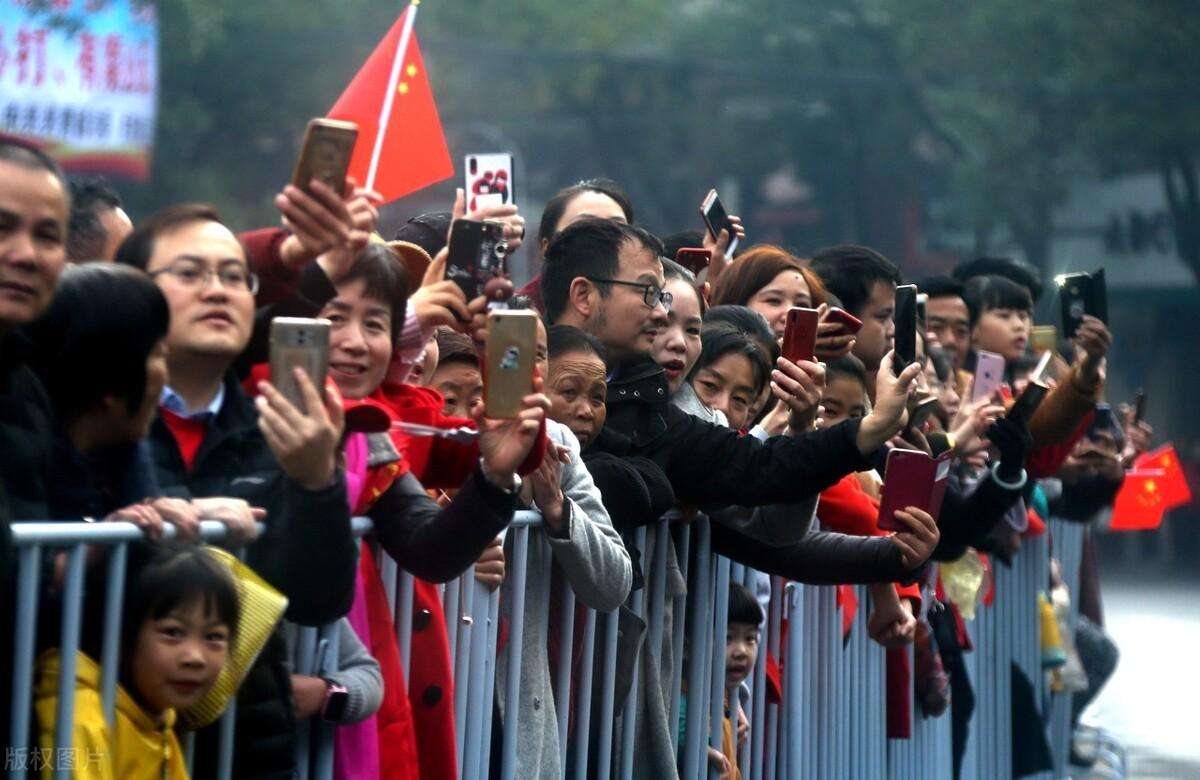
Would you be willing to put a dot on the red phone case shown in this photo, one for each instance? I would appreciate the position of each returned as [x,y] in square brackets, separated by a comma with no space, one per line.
[693,259]
[912,478]
[800,335]
[850,324]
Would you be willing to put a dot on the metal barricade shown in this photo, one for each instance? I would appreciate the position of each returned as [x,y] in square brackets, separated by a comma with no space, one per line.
[832,722]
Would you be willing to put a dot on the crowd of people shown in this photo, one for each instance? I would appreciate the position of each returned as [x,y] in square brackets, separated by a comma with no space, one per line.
[135,387]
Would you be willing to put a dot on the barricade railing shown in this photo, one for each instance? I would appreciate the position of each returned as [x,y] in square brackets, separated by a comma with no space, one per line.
[831,721]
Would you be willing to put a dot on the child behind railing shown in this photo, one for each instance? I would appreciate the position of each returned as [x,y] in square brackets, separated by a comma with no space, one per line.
[181,614]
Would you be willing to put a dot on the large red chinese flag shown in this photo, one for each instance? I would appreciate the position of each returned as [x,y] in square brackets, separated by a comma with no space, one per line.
[1140,502]
[1174,484]
[412,153]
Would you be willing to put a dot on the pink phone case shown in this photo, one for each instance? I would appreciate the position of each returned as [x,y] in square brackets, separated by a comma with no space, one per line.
[989,375]
[911,478]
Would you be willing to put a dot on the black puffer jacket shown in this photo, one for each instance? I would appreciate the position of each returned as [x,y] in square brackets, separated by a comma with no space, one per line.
[307,552]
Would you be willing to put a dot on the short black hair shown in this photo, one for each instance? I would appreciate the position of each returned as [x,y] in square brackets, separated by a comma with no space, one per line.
[455,347]
[427,231]
[590,247]
[138,247]
[847,366]
[743,607]
[95,337]
[1010,268]
[86,235]
[749,322]
[32,158]
[940,287]
[555,207]
[684,239]
[166,575]
[850,271]
[984,293]
[384,279]
[561,339]
[720,339]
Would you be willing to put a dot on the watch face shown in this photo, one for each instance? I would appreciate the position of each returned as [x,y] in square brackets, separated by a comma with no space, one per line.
[335,704]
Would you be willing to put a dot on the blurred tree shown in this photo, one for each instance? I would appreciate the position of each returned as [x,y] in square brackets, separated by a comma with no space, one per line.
[1137,73]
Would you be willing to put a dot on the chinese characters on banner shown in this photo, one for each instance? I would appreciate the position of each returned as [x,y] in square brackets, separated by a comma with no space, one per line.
[80,78]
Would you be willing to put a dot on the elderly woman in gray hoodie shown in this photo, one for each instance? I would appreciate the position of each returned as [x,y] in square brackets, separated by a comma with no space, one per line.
[579,540]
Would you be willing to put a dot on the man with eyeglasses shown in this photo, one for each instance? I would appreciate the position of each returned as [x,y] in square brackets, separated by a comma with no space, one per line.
[211,441]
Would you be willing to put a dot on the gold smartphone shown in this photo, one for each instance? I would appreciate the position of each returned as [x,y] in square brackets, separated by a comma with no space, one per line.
[325,156]
[508,368]
[1043,338]
[303,342]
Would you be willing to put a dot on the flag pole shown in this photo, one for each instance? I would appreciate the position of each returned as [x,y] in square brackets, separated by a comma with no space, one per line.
[389,97]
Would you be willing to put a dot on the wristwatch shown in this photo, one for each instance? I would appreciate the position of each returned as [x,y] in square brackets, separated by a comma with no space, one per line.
[336,699]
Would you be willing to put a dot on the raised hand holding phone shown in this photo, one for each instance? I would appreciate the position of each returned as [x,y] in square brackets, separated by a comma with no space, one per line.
[887,417]
[724,233]
[504,444]
[835,336]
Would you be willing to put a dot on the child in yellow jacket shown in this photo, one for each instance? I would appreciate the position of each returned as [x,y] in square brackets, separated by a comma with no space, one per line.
[181,612]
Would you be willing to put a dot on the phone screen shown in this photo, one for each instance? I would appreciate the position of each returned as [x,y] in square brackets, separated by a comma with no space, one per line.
[717,219]
[905,317]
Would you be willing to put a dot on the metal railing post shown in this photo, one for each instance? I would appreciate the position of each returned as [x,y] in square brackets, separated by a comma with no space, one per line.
[516,645]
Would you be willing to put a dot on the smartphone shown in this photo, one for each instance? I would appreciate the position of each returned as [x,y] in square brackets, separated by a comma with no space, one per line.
[905,318]
[989,375]
[712,211]
[303,342]
[922,319]
[800,335]
[1139,406]
[325,156]
[1043,338]
[850,324]
[1039,370]
[1105,420]
[488,180]
[921,404]
[508,366]
[1081,294]
[476,256]
[693,258]
[1028,402]
[911,478]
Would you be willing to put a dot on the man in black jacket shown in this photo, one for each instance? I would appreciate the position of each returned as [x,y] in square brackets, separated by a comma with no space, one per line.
[34,205]
[606,278]
[274,461]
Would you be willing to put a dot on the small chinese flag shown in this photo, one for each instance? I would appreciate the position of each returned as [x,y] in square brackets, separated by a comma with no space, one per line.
[847,599]
[413,151]
[1173,484]
[1140,502]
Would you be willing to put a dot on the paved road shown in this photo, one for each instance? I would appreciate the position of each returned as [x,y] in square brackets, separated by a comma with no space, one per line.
[1153,700]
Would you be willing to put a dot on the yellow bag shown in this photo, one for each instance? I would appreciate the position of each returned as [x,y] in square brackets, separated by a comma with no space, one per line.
[963,581]
[260,608]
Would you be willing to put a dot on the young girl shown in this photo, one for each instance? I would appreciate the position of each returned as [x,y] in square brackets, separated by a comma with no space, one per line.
[180,618]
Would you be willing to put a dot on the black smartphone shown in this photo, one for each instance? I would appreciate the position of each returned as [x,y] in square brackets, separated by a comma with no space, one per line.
[1139,406]
[1082,293]
[477,253]
[1028,401]
[712,211]
[905,318]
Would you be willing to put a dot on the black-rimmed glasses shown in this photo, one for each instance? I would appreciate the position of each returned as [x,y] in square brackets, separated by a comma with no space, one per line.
[652,294]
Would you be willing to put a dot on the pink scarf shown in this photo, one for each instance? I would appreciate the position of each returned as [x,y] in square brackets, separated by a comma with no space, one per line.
[356,746]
